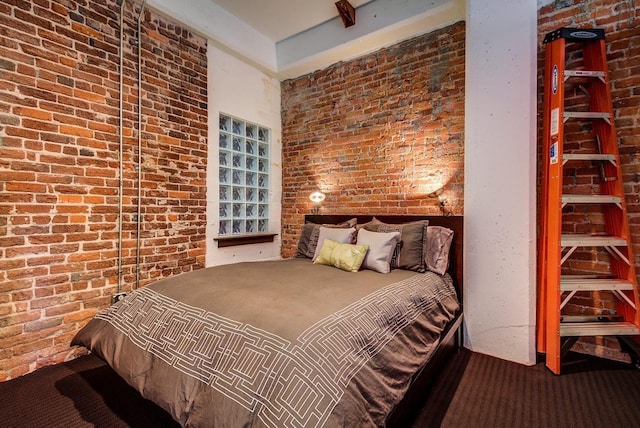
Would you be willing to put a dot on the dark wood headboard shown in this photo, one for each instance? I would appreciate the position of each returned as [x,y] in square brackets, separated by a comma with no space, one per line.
[454,223]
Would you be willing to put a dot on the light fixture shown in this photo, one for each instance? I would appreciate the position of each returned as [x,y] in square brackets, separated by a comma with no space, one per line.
[347,13]
[317,198]
[442,201]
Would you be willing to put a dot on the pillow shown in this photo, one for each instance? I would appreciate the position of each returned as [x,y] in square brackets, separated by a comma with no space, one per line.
[347,257]
[413,245]
[342,236]
[371,222]
[438,244]
[308,240]
[381,248]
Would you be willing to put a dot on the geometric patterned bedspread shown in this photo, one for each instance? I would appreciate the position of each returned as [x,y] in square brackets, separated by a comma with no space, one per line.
[278,382]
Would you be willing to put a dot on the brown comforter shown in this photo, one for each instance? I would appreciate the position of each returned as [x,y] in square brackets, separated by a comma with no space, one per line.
[279,344]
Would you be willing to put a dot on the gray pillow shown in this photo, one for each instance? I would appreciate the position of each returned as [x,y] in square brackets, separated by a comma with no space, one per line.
[381,248]
[308,240]
[413,244]
[339,235]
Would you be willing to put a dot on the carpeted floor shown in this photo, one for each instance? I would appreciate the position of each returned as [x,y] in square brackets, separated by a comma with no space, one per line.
[84,392]
[474,391]
[489,392]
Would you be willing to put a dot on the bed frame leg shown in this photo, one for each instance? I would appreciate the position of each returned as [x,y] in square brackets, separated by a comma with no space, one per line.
[460,336]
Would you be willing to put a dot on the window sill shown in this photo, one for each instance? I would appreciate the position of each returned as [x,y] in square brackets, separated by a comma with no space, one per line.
[230,241]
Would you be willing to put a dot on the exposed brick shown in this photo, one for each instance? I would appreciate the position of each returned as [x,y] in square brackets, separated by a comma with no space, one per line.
[59,89]
[371,132]
[37,326]
[79,316]
[21,318]
[62,309]
[21,284]
[17,274]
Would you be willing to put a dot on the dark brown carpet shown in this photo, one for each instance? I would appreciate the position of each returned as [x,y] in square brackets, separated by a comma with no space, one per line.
[84,392]
[474,391]
[488,392]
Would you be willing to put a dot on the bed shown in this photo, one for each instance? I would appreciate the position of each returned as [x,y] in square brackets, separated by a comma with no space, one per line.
[303,342]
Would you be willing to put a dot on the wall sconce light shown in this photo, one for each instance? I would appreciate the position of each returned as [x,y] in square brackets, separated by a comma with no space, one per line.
[347,13]
[442,201]
[317,198]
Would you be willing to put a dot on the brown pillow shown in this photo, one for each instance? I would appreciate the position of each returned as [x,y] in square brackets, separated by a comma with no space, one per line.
[308,240]
[371,222]
[413,244]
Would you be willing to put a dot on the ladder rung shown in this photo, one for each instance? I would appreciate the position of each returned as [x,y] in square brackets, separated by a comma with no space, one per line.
[569,319]
[589,157]
[580,283]
[586,115]
[598,329]
[583,73]
[578,240]
[590,199]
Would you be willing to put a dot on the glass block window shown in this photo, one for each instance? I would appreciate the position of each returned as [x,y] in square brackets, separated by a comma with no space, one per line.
[244,177]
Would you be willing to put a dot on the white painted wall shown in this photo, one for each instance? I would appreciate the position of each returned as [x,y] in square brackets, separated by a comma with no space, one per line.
[500,178]
[239,89]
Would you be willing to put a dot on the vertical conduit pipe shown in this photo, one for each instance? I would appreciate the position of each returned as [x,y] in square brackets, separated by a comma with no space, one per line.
[121,148]
[139,214]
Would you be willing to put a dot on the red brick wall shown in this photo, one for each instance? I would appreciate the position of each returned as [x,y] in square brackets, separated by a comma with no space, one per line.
[59,166]
[376,134]
[621,22]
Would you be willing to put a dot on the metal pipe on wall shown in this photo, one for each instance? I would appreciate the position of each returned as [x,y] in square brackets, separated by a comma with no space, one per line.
[121,148]
[139,213]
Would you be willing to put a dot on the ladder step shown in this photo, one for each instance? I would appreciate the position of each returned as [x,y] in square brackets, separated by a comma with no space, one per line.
[598,329]
[581,283]
[583,73]
[578,240]
[586,115]
[591,199]
[589,157]
[590,318]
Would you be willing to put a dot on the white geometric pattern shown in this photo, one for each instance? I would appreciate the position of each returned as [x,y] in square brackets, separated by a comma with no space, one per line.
[287,384]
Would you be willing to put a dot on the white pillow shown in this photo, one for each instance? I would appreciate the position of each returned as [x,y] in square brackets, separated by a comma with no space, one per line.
[381,248]
[342,236]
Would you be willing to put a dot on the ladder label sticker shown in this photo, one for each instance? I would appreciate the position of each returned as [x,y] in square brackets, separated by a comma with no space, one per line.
[555,121]
[554,79]
[583,34]
[553,153]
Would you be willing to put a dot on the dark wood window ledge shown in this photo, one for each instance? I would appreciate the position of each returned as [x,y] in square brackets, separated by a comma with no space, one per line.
[230,241]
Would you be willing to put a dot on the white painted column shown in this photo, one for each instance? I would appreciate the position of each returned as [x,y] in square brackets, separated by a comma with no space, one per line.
[500,179]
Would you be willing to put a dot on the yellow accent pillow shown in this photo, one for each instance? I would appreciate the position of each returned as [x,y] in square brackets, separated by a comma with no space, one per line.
[347,257]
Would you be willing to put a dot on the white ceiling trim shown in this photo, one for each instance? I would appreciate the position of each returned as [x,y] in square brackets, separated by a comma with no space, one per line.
[317,48]
[223,29]
[238,38]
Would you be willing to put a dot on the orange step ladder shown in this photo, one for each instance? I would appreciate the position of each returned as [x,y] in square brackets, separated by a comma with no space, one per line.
[558,330]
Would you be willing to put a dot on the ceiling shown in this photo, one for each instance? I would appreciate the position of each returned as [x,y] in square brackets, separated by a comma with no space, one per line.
[280,19]
[289,38]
